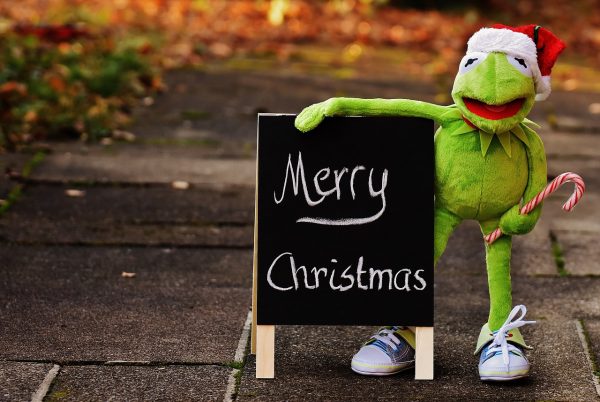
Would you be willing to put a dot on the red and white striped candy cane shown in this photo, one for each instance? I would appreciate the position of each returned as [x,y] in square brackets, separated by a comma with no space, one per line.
[550,188]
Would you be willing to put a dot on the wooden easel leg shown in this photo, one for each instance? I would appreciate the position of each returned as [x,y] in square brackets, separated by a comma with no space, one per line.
[254,270]
[265,351]
[424,353]
[253,329]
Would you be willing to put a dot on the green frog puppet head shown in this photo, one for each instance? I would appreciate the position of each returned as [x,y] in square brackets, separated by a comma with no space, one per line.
[504,71]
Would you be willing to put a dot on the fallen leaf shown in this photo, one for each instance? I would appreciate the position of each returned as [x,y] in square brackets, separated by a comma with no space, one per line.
[594,108]
[123,135]
[72,192]
[30,117]
[13,86]
[180,185]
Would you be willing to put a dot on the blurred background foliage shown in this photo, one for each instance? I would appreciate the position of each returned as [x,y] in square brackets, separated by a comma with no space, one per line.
[60,81]
[76,68]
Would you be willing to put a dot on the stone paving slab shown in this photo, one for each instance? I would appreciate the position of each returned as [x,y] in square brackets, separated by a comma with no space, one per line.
[313,362]
[570,110]
[465,253]
[74,305]
[18,380]
[585,217]
[74,233]
[130,215]
[587,168]
[161,205]
[127,383]
[169,268]
[532,252]
[578,231]
[466,298]
[570,145]
[592,327]
[581,252]
[211,148]
[145,167]
[235,99]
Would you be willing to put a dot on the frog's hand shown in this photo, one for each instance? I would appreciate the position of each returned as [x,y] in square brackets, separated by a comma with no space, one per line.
[513,222]
[314,114]
[311,116]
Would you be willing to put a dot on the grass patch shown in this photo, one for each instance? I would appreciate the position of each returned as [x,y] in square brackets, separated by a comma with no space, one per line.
[557,253]
[239,367]
[32,163]
[57,396]
[235,365]
[17,190]
[194,115]
[12,197]
[586,336]
[238,381]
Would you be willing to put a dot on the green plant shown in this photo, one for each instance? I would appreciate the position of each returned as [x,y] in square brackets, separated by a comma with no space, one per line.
[62,81]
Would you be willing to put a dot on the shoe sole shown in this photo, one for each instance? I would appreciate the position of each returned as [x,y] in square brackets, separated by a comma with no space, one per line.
[382,373]
[495,378]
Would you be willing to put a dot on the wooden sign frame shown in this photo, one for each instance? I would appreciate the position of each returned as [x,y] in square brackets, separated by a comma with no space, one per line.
[263,336]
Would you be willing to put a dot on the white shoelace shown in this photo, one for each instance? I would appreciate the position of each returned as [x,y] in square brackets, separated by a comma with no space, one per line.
[499,343]
[388,337]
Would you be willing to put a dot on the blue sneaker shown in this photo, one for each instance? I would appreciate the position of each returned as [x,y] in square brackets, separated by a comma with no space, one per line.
[385,353]
[492,365]
[502,360]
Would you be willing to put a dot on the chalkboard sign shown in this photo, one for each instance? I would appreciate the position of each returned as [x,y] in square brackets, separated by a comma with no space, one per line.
[345,222]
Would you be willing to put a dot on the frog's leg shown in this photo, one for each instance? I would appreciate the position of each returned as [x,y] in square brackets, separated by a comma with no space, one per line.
[498,271]
[444,224]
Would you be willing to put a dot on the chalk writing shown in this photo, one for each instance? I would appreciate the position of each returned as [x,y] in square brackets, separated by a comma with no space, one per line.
[300,277]
[297,177]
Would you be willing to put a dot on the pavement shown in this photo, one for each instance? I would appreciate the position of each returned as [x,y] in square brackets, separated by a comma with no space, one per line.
[125,268]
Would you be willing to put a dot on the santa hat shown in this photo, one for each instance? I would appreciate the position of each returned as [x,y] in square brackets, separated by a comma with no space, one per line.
[537,45]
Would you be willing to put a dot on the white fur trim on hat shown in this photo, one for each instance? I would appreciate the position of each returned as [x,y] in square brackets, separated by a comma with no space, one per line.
[516,44]
[543,88]
[503,40]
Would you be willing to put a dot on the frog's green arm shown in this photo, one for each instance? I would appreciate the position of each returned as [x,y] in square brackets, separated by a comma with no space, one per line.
[385,107]
[538,174]
[314,114]
[512,222]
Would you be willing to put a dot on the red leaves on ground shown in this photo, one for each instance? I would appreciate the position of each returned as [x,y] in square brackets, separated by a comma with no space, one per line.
[52,33]
[12,88]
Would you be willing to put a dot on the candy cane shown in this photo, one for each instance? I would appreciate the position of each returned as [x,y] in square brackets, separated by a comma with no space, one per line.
[550,188]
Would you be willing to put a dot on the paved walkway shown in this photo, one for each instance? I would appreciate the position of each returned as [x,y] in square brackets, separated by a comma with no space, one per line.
[76,326]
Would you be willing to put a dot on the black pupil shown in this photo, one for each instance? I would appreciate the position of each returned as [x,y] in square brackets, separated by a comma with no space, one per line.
[521,62]
[470,61]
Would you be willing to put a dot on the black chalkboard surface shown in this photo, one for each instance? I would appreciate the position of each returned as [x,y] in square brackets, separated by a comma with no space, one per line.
[345,221]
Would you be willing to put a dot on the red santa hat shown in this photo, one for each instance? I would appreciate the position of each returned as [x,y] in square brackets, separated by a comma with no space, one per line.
[535,44]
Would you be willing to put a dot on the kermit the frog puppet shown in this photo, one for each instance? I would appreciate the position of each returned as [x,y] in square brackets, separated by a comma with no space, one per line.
[488,160]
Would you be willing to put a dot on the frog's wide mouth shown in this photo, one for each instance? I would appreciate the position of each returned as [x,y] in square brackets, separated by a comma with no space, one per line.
[494,112]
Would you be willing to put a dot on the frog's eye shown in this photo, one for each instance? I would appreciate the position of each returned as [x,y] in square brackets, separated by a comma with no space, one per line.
[470,61]
[520,64]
